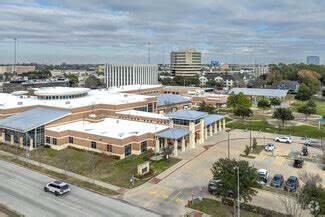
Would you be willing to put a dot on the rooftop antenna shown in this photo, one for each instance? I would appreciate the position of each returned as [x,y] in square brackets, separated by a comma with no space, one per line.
[14,70]
[149,52]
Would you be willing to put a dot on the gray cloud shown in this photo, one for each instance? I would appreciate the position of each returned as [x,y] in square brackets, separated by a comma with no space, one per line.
[117,31]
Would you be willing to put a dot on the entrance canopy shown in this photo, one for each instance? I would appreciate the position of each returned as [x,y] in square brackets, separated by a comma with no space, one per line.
[212,119]
[31,119]
[174,133]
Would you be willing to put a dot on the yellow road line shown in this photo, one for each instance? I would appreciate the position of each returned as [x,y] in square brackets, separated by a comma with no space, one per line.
[175,196]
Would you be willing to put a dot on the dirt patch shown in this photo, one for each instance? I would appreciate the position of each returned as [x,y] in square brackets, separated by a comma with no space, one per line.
[6,212]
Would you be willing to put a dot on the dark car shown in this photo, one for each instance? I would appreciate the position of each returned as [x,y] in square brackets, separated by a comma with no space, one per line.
[291,184]
[277,181]
[213,185]
[304,151]
[298,163]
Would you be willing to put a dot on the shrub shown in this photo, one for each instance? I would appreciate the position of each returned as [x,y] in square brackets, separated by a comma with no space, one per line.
[247,150]
[254,143]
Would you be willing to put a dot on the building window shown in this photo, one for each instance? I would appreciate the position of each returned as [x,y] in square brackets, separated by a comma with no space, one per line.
[7,136]
[48,140]
[127,150]
[71,140]
[150,107]
[144,146]
[109,148]
[54,141]
[93,145]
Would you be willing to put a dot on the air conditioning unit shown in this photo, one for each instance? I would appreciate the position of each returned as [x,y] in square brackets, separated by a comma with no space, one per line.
[67,102]
[20,103]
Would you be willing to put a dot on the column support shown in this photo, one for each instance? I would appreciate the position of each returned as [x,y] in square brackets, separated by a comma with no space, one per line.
[157,145]
[220,126]
[224,123]
[210,130]
[183,144]
[192,134]
[206,132]
[215,127]
[175,147]
[165,143]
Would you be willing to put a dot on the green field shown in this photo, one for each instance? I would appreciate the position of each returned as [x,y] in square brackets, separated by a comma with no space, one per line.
[320,106]
[264,126]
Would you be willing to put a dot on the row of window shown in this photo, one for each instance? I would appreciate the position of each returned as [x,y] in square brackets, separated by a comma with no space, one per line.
[109,148]
[63,97]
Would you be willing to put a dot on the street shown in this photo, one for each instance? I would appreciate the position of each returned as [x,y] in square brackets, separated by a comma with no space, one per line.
[22,190]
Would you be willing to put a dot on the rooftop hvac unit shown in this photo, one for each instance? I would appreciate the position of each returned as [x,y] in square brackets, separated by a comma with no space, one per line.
[20,103]
[67,102]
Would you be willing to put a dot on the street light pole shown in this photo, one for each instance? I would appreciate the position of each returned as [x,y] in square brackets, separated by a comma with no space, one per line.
[228,146]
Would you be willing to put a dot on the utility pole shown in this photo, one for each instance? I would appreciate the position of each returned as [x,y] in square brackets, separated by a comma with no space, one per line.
[228,146]
[14,70]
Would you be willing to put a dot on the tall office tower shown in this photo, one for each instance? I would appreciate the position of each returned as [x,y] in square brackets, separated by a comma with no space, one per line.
[122,75]
[313,60]
[185,62]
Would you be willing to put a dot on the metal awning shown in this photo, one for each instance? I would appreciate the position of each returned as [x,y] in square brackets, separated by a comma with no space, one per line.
[211,119]
[174,133]
[33,118]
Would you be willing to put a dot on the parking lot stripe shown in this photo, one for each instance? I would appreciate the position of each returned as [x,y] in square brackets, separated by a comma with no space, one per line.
[175,196]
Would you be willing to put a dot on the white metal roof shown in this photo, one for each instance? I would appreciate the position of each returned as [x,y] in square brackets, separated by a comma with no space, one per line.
[260,92]
[60,91]
[112,128]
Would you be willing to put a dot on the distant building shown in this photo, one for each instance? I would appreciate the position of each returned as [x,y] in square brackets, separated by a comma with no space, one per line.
[261,70]
[122,75]
[313,60]
[185,62]
[13,86]
[291,86]
[19,69]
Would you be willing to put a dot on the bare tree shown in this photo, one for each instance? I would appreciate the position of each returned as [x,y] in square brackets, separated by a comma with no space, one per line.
[310,178]
[291,205]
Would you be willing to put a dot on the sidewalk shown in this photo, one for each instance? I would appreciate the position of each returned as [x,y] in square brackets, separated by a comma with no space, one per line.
[74,175]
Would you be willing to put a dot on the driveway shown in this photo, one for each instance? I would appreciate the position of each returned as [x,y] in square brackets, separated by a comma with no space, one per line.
[170,192]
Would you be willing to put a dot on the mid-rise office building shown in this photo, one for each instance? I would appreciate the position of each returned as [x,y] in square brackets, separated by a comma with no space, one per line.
[185,62]
[19,69]
[123,75]
[313,60]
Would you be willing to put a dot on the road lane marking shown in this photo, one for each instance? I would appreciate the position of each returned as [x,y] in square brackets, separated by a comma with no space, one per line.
[175,196]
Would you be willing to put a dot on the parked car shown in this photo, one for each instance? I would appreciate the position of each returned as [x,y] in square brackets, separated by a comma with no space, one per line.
[277,181]
[304,151]
[291,184]
[298,163]
[213,185]
[57,187]
[269,147]
[263,175]
[283,139]
[312,142]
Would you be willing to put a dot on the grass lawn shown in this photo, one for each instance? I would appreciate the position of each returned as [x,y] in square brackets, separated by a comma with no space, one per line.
[216,208]
[264,126]
[99,166]
[320,106]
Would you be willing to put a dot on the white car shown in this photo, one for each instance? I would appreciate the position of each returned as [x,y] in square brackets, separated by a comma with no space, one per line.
[269,147]
[263,175]
[57,187]
[284,139]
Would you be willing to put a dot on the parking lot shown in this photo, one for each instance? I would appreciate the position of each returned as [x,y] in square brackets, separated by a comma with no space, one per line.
[173,188]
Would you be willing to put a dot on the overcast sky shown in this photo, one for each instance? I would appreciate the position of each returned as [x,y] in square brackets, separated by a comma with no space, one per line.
[117,31]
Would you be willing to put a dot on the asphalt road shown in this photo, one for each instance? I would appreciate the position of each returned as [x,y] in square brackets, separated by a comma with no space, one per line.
[22,190]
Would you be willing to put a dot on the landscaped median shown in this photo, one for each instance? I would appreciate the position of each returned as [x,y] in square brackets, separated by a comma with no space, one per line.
[226,208]
[5,211]
[96,166]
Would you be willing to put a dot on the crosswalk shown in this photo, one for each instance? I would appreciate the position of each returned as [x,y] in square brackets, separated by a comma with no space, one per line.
[168,195]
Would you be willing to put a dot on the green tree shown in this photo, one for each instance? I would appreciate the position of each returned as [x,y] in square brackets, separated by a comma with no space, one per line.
[275,102]
[309,78]
[264,103]
[92,82]
[308,108]
[304,93]
[73,79]
[204,107]
[243,112]
[283,114]
[225,171]
[238,100]
[211,83]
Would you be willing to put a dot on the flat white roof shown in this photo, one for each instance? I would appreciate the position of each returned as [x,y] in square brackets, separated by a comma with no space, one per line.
[143,114]
[111,127]
[60,91]
[111,96]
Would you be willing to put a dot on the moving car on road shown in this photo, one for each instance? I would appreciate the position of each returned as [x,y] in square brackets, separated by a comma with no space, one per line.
[213,185]
[269,147]
[57,187]
[283,139]
[291,184]
[277,181]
